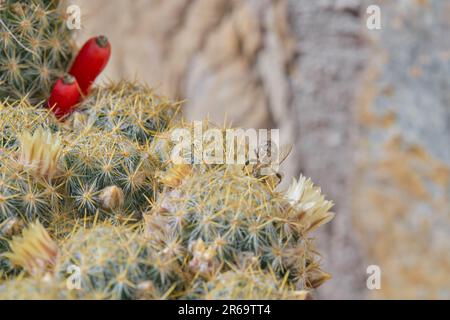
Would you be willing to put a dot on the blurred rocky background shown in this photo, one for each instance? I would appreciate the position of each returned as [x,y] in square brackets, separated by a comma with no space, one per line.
[368,112]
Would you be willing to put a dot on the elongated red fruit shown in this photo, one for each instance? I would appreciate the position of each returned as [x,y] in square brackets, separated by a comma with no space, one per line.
[90,62]
[65,95]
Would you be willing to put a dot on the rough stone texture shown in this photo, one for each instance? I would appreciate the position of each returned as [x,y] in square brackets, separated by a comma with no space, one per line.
[332,56]
[401,198]
[368,112]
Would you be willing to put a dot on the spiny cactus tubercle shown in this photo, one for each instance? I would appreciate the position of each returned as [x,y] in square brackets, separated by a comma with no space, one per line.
[220,213]
[86,168]
[35,48]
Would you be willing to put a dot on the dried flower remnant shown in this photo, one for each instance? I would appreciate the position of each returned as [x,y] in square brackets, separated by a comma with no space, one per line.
[111,198]
[203,258]
[39,152]
[34,250]
[175,175]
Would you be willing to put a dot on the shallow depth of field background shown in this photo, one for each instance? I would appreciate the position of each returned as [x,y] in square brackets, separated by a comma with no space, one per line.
[368,112]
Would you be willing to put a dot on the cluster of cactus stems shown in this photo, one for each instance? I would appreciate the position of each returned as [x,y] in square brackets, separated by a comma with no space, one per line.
[36,47]
[138,226]
[97,191]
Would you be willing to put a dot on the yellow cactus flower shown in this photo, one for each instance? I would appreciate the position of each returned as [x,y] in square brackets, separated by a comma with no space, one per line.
[40,152]
[34,251]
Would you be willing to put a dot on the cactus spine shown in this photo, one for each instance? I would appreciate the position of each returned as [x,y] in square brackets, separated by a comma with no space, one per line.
[35,48]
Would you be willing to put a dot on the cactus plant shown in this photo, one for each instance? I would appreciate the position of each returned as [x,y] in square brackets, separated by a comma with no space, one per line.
[191,230]
[47,166]
[115,261]
[21,195]
[34,250]
[19,116]
[26,166]
[97,166]
[25,288]
[131,109]
[220,213]
[172,230]
[35,48]
[244,284]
